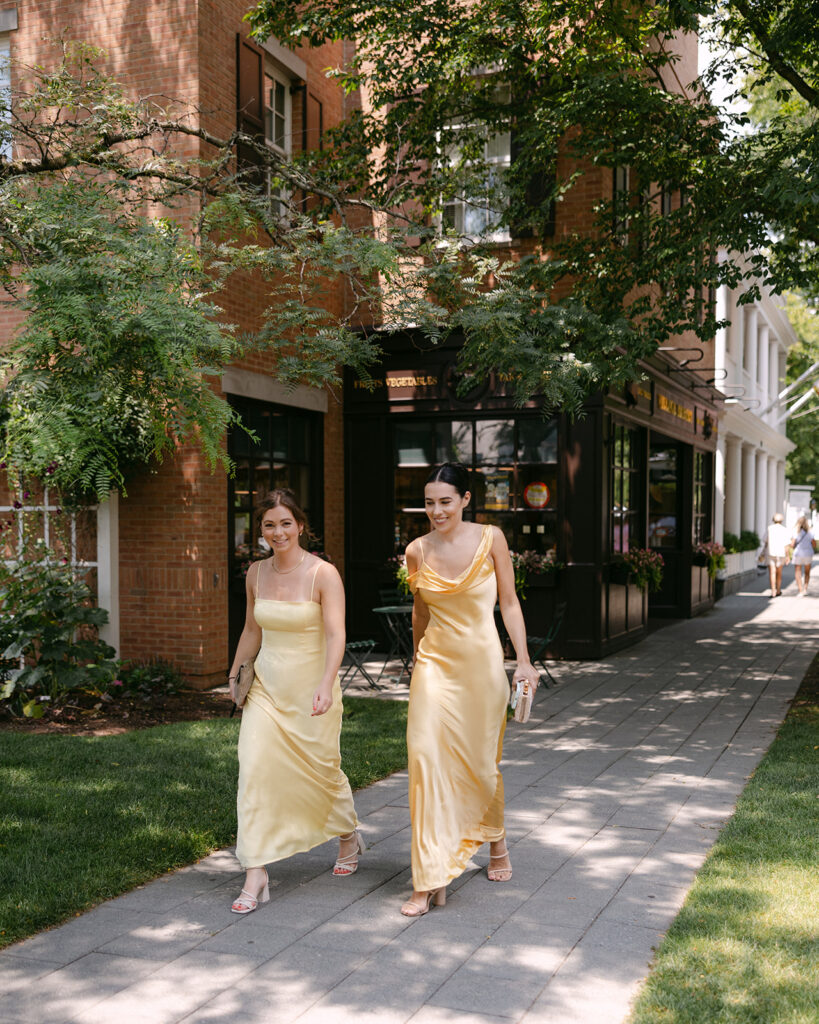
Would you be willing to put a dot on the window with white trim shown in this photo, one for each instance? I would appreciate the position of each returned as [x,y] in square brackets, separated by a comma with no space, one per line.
[478,215]
[5,95]
[278,117]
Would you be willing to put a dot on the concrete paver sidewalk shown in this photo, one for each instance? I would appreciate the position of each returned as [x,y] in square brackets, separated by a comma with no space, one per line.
[616,790]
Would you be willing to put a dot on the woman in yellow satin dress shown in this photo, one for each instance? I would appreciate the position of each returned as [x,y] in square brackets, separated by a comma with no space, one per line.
[293,794]
[459,691]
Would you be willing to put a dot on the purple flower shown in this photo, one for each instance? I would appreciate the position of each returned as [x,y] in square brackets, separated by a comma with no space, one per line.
[17,504]
[117,682]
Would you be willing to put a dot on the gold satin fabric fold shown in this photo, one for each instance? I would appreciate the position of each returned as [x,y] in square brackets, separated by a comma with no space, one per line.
[457,716]
[293,794]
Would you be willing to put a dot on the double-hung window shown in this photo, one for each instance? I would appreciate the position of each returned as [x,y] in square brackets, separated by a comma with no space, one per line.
[476,212]
[5,97]
[278,117]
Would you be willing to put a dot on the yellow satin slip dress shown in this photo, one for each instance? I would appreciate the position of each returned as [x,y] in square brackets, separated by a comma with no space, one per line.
[293,794]
[457,716]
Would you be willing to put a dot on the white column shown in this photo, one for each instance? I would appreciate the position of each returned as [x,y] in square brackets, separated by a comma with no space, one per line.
[773,378]
[751,345]
[719,490]
[771,487]
[761,492]
[108,567]
[780,486]
[721,339]
[748,515]
[762,364]
[733,485]
[737,344]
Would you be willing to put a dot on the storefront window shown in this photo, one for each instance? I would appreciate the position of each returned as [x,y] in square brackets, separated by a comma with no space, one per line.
[663,496]
[513,478]
[281,456]
[702,497]
[625,489]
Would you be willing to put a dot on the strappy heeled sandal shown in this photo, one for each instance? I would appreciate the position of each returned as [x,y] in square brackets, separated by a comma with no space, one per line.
[499,874]
[246,902]
[434,898]
[349,865]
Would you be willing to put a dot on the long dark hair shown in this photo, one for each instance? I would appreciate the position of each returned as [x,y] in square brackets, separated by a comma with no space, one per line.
[452,473]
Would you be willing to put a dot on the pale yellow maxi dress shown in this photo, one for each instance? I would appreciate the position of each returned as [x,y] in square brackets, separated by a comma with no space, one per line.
[293,794]
[457,716]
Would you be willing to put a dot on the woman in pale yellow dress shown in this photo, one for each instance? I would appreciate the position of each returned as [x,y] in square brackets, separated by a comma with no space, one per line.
[293,794]
[459,691]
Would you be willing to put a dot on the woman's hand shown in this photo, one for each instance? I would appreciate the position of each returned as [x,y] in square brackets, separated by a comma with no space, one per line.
[232,687]
[322,700]
[527,672]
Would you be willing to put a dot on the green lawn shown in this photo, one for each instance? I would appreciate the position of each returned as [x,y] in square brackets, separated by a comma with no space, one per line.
[83,819]
[745,947]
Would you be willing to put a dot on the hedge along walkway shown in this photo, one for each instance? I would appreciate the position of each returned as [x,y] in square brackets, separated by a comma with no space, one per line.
[615,793]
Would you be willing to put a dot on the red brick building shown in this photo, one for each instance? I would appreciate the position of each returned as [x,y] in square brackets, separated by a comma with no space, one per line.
[171,553]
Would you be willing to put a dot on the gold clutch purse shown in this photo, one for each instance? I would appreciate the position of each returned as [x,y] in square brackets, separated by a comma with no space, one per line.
[522,697]
[244,680]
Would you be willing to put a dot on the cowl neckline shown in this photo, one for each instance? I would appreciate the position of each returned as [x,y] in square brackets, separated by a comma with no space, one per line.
[427,577]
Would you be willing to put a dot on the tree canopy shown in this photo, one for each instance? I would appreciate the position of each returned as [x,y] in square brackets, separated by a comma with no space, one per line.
[123,322]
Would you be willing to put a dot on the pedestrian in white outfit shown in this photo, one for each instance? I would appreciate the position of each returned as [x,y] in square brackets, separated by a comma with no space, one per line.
[776,541]
[802,554]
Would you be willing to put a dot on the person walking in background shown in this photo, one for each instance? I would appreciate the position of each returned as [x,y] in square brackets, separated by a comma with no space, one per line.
[293,794]
[459,691]
[803,551]
[776,541]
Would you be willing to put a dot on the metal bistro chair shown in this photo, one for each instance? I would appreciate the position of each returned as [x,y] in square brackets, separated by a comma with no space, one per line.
[540,644]
[358,652]
[398,630]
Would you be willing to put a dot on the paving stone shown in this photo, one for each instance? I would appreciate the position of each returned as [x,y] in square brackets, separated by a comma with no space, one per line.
[80,935]
[170,992]
[78,986]
[473,990]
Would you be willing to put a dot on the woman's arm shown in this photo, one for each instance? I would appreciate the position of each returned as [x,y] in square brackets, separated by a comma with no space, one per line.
[420,612]
[251,639]
[510,608]
[331,595]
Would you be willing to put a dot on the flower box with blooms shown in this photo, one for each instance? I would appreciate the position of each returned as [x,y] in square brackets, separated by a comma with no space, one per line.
[526,563]
[712,555]
[643,566]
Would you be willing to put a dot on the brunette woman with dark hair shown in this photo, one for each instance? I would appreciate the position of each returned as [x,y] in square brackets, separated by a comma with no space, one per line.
[459,691]
[293,794]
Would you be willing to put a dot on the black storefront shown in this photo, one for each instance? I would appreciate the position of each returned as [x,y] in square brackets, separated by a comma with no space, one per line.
[636,470]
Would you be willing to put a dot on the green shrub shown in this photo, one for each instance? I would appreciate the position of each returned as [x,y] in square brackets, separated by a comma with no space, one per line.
[148,680]
[48,633]
[749,541]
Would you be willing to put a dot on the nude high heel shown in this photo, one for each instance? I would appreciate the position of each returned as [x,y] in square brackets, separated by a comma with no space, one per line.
[434,898]
[349,865]
[499,874]
[246,902]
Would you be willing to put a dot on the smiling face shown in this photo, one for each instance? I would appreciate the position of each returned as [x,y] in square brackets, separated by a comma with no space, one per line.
[444,506]
[281,529]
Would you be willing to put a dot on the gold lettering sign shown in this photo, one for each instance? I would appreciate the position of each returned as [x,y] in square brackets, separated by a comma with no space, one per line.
[412,382]
[409,380]
[682,412]
[643,392]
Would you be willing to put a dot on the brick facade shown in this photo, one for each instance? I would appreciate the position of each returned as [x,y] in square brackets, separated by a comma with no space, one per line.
[173,521]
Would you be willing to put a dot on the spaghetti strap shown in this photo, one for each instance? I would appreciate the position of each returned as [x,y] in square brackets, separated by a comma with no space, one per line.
[313,584]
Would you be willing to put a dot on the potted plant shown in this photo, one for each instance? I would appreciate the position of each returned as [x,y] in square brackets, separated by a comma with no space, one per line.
[530,563]
[642,567]
[711,555]
[397,566]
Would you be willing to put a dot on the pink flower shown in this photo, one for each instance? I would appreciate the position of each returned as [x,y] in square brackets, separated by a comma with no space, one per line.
[117,682]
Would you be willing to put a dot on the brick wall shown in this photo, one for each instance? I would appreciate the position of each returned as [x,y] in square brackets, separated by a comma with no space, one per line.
[173,520]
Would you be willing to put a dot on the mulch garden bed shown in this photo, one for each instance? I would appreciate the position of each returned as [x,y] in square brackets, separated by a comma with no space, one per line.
[89,716]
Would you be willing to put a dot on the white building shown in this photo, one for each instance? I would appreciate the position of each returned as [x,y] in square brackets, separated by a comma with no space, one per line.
[750,462]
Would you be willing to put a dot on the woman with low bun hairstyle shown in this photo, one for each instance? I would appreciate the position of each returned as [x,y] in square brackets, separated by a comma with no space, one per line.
[459,691]
[293,794]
